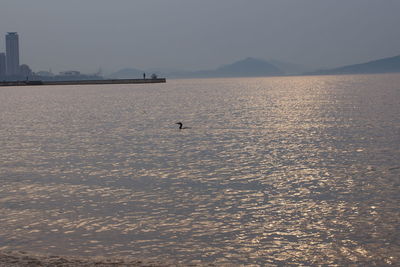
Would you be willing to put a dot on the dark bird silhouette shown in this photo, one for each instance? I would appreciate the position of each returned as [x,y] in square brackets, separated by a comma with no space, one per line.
[181,126]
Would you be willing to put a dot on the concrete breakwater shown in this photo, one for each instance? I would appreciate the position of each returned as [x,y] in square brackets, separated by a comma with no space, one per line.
[83,82]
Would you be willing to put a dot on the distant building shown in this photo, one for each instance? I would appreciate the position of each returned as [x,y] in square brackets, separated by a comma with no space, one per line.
[25,71]
[45,73]
[2,64]
[12,51]
[70,73]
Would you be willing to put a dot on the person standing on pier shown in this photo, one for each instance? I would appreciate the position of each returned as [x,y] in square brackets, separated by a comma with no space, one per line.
[144,76]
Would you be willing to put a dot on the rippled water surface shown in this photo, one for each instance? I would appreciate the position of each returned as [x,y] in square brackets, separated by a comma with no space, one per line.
[302,170]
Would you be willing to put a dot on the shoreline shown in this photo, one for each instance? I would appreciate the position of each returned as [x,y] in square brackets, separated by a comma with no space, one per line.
[28,259]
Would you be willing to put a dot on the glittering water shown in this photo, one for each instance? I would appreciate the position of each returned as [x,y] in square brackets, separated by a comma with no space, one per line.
[302,170]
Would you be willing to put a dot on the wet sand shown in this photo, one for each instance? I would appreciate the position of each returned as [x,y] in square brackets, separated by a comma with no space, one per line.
[22,259]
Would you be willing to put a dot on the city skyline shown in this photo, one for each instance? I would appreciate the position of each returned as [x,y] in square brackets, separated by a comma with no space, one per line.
[250,67]
[189,35]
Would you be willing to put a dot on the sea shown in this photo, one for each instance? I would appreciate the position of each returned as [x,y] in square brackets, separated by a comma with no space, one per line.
[269,171]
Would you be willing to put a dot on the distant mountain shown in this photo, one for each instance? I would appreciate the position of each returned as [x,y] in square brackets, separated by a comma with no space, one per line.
[252,67]
[385,65]
[249,67]
[128,73]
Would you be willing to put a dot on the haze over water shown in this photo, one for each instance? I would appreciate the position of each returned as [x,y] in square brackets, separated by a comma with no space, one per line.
[281,170]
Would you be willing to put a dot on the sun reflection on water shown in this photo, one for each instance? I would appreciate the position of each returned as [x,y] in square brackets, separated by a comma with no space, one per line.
[300,170]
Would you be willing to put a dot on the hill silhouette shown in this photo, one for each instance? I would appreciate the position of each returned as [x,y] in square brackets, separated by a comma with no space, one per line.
[252,67]
[385,65]
[247,68]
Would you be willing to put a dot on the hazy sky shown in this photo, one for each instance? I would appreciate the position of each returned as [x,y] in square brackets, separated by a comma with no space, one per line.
[198,34]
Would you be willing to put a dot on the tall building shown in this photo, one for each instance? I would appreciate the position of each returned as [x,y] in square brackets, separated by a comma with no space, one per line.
[12,51]
[2,64]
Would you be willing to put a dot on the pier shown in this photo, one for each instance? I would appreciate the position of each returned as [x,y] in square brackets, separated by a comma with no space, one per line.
[83,82]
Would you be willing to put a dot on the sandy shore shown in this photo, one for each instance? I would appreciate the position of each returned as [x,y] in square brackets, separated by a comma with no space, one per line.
[23,259]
